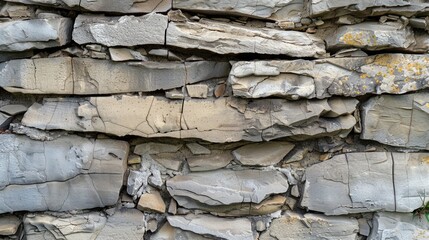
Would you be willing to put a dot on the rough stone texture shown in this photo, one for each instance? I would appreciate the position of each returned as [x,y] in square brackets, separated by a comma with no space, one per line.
[224,187]
[223,228]
[21,35]
[120,31]
[223,38]
[384,73]
[397,120]
[398,226]
[9,224]
[372,36]
[83,76]
[158,117]
[281,10]
[217,159]
[151,202]
[64,174]
[311,226]
[365,182]
[262,154]
[123,6]
[167,232]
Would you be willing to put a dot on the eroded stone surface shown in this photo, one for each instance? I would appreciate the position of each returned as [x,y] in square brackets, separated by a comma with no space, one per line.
[262,154]
[293,226]
[67,173]
[355,76]
[260,120]
[365,182]
[168,232]
[9,224]
[397,120]
[398,226]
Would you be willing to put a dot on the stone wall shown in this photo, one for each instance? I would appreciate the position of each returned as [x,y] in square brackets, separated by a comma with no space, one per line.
[216,119]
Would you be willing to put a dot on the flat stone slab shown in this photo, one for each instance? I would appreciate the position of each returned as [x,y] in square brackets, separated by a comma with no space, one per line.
[367,182]
[214,120]
[67,173]
[398,226]
[349,76]
[397,120]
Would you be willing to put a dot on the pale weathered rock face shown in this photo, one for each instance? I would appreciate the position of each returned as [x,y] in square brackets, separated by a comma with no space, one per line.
[398,226]
[120,31]
[223,38]
[281,10]
[293,226]
[397,121]
[167,232]
[64,174]
[382,181]
[124,6]
[158,117]
[223,228]
[263,154]
[247,186]
[83,76]
[9,225]
[384,73]
[35,34]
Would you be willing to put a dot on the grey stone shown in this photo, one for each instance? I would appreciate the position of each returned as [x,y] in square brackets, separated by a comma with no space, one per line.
[215,120]
[217,159]
[384,73]
[398,226]
[224,187]
[197,90]
[366,182]
[120,31]
[7,56]
[9,225]
[125,54]
[262,154]
[167,232]
[196,148]
[294,226]
[397,120]
[13,109]
[13,10]
[155,148]
[224,38]
[67,173]
[231,229]
[21,35]
[125,223]
[280,10]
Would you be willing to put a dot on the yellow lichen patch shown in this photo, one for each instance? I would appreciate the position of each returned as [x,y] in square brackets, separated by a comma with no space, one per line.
[425,159]
[364,75]
[355,39]
[415,67]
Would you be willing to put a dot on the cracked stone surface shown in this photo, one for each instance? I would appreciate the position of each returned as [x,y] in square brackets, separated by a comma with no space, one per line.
[21,35]
[352,76]
[223,38]
[120,31]
[67,173]
[281,10]
[223,228]
[367,182]
[398,226]
[84,76]
[123,6]
[397,120]
[262,154]
[311,226]
[260,120]
[224,187]
[168,232]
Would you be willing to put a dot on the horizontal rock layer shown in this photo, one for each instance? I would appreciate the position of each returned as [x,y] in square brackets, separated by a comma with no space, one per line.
[64,174]
[366,182]
[260,120]
[353,76]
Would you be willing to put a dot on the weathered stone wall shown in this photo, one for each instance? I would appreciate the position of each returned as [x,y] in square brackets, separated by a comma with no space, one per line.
[216,119]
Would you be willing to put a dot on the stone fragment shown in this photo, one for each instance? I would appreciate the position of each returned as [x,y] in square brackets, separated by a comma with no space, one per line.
[283,10]
[195,148]
[120,31]
[293,226]
[67,173]
[197,90]
[125,223]
[174,94]
[21,35]
[215,160]
[7,56]
[384,73]
[13,109]
[156,148]
[134,159]
[262,154]
[223,228]
[9,224]
[152,202]
[261,120]
[125,54]
[366,182]
[224,38]
[12,10]
[171,161]
[371,36]
[224,187]
[152,225]
[167,232]
[398,226]
[295,191]
[397,120]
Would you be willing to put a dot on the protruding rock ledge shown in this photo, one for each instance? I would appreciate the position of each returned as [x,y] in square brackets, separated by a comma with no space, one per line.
[353,76]
[397,120]
[366,182]
[67,173]
[214,120]
[21,35]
